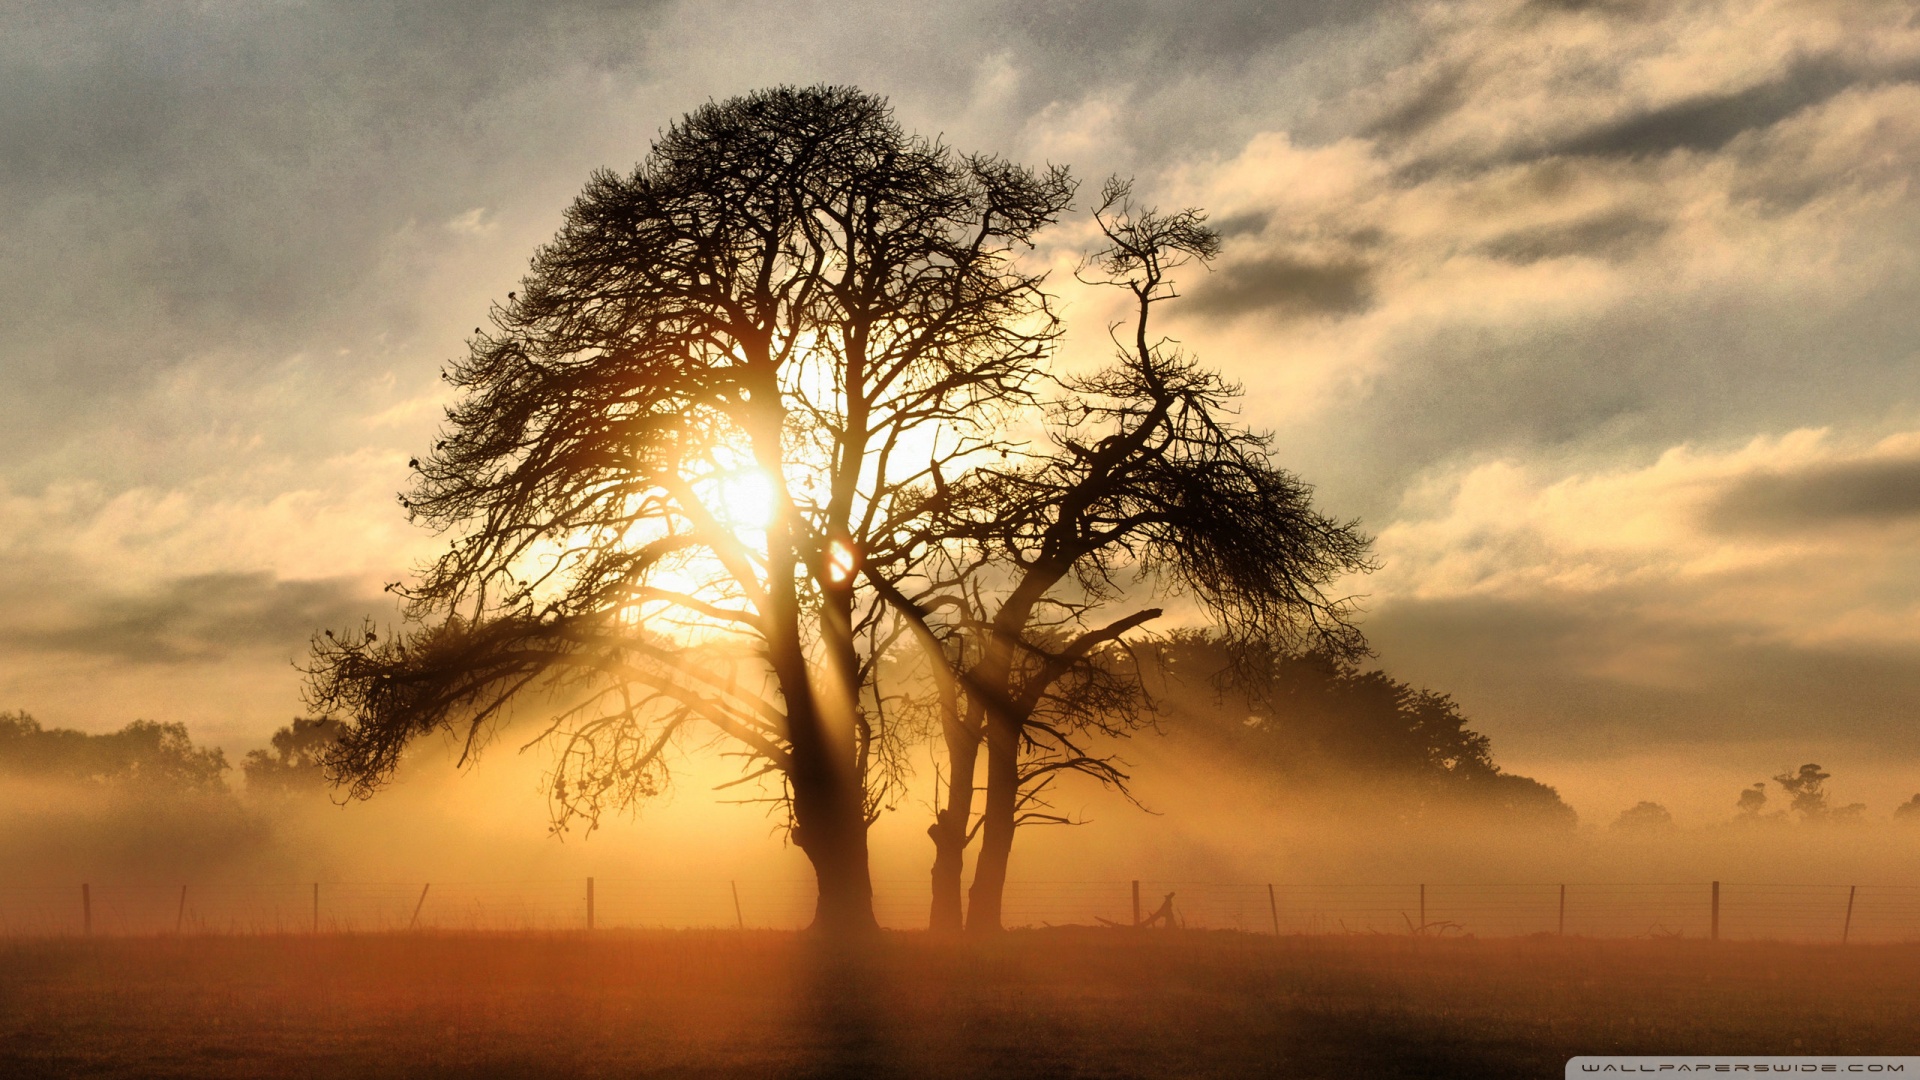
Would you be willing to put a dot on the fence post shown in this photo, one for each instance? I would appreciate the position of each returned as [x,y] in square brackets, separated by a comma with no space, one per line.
[86,909]
[180,917]
[1274,907]
[1136,902]
[422,902]
[1423,909]
[316,907]
[1562,931]
[1847,928]
[1714,932]
[739,920]
[589,903]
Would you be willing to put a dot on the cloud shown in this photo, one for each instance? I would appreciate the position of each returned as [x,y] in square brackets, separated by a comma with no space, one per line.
[1764,593]
[1591,305]
[1609,677]
[1873,490]
[199,619]
[1615,234]
[1711,121]
[1283,287]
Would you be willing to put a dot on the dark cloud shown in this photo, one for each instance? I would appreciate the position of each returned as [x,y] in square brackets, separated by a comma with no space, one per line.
[1859,491]
[1602,675]
[1630,380]
[1285,287]
[1176,39]
[1711,121]
[1704,123]
[205,617]
[1615,234]
[1433,100]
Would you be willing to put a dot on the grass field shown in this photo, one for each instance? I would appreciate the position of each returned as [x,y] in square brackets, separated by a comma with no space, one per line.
[1061,1003]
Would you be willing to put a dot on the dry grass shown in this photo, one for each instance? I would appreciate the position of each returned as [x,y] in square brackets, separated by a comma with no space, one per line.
[1053,1003]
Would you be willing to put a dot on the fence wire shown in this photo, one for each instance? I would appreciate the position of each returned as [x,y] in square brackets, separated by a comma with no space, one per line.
[1730,910]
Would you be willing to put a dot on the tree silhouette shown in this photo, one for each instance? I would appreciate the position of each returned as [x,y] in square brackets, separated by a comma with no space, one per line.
[1807,790]
[297,759]
[147,756]
[1327,729]
[1143,478]
[1645,819]
[1807,787]
[692,442]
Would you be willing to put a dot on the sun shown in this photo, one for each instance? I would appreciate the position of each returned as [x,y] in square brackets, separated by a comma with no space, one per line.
[747,497]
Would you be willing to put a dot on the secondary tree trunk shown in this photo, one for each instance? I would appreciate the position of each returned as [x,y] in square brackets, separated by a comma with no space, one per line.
[996,830]
[949,828]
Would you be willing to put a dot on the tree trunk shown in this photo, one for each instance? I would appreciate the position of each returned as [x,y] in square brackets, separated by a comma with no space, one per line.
[949,829]
[996,835]
[844,905]
[829,821]
[830,828]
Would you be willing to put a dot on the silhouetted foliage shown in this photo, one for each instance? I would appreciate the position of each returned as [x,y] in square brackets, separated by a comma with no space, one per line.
[139,801]
[1807,788]
[1314,719]
[145,755]
[1909,810]
[791,293]
[297,761]
[1752,802]
[1645,819]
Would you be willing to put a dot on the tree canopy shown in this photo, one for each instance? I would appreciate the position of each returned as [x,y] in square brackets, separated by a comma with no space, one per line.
[1313,720]
[154,757]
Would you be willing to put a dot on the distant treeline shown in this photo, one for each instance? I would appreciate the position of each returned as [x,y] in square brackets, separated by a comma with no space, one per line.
[145,754]
[1317,722]
[155,758]
[135,802]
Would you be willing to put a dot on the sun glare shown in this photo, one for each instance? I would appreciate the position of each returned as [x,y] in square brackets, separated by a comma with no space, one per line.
[746,499]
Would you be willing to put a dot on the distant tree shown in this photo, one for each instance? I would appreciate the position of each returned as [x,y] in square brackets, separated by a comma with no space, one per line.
[1752,802]
[1143,477]
[146,756]
[1909,810]
[297,760]
[694,439]
[1807,790]
[1644,818]
[1318,721]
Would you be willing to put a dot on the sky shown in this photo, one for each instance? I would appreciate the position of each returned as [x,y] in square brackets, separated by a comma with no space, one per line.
[1602,316]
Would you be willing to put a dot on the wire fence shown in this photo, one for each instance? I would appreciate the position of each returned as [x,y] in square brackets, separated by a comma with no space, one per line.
[1730,910]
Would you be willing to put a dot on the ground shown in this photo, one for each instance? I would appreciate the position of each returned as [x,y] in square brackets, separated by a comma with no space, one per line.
[1060,1003]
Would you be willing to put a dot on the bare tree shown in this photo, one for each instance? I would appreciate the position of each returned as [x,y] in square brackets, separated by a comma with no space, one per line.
[1145,479]
[704,423]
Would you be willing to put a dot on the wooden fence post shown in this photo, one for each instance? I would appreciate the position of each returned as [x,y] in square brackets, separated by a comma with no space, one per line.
[86,909]
[1136,902]
[589,903]
[1562,931]
[1274,907]
[422,902]
[1714,932]
[1847,928]
[739,920]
